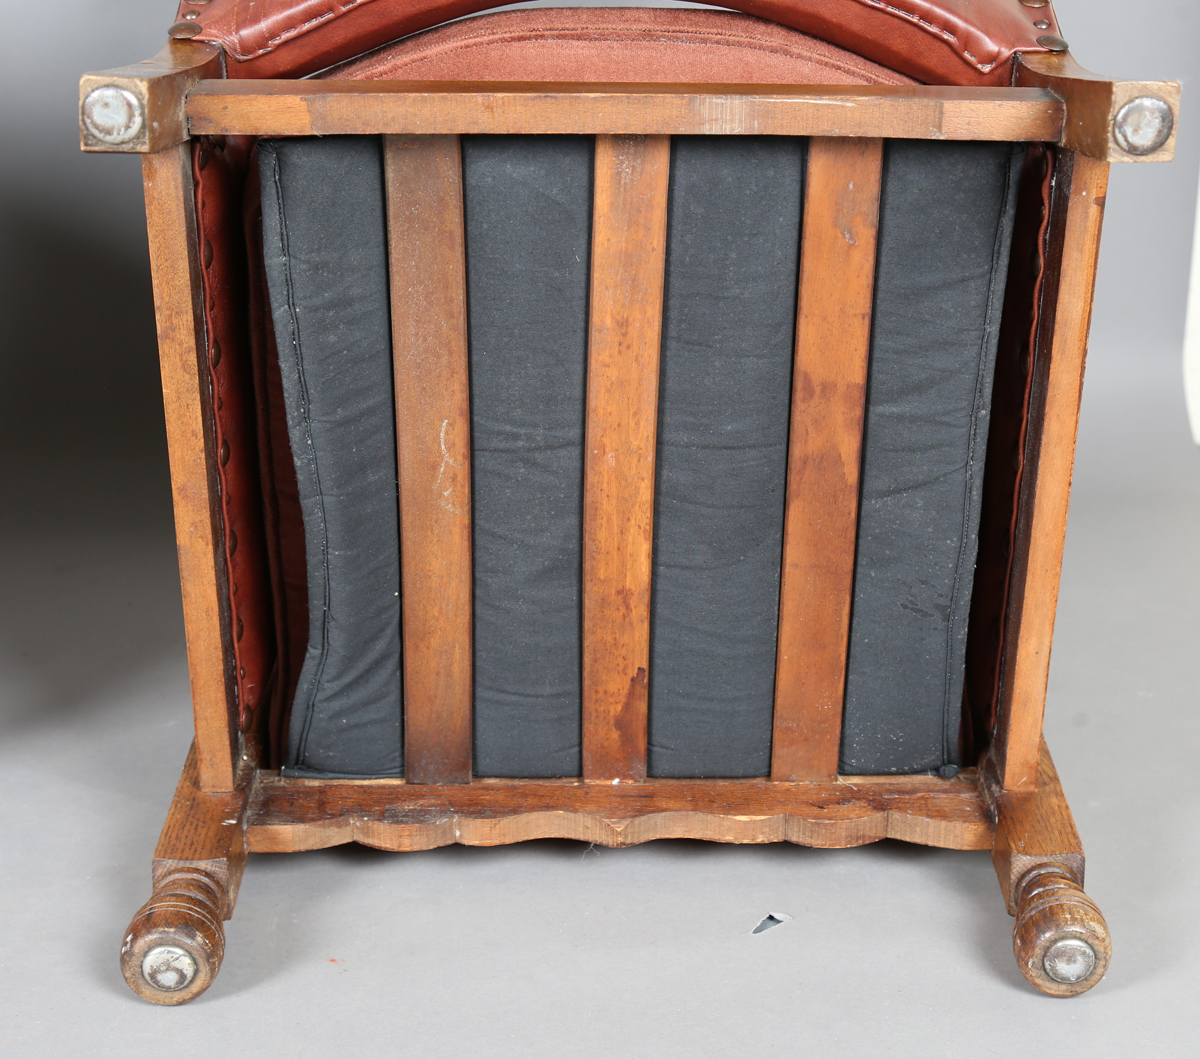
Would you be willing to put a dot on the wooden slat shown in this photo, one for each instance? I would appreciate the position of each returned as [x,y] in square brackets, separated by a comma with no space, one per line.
[191,446]
[833,338]
[306,108]
[628,252]
[429,349]
[1077,213]
[287,815]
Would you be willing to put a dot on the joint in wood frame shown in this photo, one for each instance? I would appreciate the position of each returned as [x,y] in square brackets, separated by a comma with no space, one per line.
[139,109]
[1035,831]
[1113,121]
[206,833]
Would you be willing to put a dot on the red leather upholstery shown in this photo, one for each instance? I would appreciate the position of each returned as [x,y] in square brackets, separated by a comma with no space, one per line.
[614,45]
[282,518]
[968,42]
[219,168]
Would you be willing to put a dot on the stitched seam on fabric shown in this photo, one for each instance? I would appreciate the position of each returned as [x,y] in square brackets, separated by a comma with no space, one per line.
[991,323]
[310,706]
[937,31]
[303,28]
[295,31]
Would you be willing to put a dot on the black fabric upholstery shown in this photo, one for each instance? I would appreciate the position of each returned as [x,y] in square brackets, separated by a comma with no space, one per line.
[729,317]
[733,242]
[528,225]
[324,245]
[944,237]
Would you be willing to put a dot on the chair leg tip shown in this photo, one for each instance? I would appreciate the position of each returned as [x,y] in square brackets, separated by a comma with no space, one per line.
[1060,939]
[173,947]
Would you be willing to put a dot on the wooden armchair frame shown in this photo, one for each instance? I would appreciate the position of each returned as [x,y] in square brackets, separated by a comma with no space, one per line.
[227,804]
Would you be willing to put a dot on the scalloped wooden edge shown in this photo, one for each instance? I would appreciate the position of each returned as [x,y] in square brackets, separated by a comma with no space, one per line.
[288,815]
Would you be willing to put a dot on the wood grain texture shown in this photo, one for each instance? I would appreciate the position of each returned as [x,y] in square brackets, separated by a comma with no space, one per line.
[318,107]
[288,814]
[160,85]
[183,913]
[427,260]
[829,388]
[191,447]
[205,831]
[1060,938]
[629,231]
[1092,102]
[1077,213]
[198,869]
[1034,828]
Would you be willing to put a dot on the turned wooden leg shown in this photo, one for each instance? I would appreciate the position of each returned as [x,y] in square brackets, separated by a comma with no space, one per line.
[173,947]
[1060,938]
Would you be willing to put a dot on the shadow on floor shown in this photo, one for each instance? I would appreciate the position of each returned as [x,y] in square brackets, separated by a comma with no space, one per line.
[87,562]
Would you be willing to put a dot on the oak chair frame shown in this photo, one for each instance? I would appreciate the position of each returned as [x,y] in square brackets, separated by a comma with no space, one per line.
[226,805]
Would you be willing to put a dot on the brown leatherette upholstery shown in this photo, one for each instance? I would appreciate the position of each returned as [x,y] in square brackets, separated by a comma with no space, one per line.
[953,42]
[615,45]
[219,170]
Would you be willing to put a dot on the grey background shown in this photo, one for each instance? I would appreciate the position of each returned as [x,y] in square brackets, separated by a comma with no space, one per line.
[551,948]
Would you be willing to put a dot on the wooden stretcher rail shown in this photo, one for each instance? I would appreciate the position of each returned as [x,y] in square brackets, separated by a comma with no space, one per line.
[322,108]
[286,815]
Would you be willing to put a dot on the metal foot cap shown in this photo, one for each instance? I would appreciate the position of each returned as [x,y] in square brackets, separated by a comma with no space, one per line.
[113,115]
[1069,961]
[169,968]
[1143,125]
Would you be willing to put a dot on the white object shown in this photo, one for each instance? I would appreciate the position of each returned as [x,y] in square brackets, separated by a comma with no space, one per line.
[1191,338]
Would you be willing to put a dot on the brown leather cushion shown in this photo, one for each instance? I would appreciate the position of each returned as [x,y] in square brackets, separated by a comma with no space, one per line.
[941,42]
[617,44]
